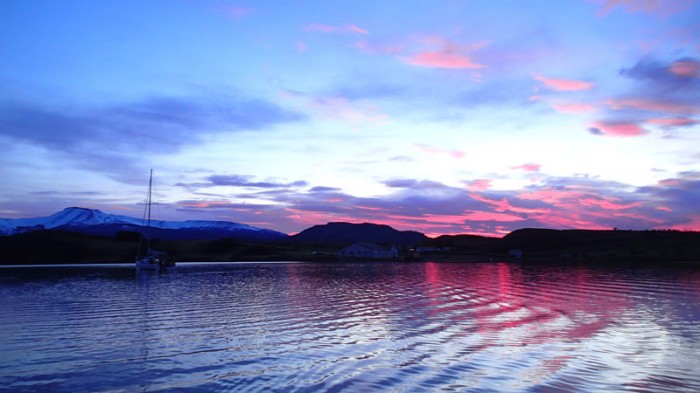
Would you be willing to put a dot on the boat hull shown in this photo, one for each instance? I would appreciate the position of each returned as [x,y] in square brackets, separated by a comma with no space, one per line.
[154,263]
[146,265]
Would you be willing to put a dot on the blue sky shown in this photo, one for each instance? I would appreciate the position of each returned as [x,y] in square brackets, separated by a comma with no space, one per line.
[440,116]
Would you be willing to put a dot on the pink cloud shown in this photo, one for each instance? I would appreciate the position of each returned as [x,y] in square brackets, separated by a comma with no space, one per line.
[444,219]
[528,167]
[670,182]
[574,199]
[607,204]
[583,203]
[442,59]
[557,197]
[356,29]
[573,108]
[572,220]
[622,129]
[653,105]
[301,46]
[491,216]
[439,52]
[205,204]
[575,207]
[685,68]
[692,224]
[673,122]
[503,205]
[457,154]
[306,218]
[479,184]
[332,29]
[564,84]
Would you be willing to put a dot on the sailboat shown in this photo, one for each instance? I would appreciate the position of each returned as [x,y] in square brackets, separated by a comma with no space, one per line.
[150,259]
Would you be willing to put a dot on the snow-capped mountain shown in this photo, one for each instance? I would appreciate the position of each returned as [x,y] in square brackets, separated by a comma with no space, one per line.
[93,221]
[68,216]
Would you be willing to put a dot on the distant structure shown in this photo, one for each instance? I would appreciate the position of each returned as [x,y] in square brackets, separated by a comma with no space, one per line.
[367,250]
[516,253]
[424,249]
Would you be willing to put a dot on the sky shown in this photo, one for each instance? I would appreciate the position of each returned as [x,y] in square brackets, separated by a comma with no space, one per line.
[444,117]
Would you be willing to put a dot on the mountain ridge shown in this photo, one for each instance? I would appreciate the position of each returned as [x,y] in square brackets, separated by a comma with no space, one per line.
[95,221]
[346,233]
[87,235]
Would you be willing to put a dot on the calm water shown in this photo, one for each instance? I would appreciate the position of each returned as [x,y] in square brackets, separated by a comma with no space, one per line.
[350,327]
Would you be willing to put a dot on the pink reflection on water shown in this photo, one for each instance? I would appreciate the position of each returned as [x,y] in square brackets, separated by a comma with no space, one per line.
[510,303]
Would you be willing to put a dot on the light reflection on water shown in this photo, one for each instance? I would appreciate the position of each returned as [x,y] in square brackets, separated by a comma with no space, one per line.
[350,326]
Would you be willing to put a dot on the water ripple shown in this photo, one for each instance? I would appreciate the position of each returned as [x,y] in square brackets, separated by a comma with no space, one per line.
[296,327]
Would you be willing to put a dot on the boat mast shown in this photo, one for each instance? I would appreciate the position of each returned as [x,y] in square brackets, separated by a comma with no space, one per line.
[147,220]
[148,199]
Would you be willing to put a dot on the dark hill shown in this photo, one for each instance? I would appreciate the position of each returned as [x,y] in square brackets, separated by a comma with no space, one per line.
[343,233]
[60,247]
[610,245]
[466,242]
[40,247]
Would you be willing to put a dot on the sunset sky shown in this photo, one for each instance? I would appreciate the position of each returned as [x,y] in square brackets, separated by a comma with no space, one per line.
[444,117]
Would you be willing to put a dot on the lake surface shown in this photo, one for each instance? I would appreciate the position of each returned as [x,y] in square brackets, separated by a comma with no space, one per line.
[390,327]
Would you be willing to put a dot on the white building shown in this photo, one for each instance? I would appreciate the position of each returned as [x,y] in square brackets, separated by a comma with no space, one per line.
[369,251]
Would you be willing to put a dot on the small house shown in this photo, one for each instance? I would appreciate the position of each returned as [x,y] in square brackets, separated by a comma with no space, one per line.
[367,250]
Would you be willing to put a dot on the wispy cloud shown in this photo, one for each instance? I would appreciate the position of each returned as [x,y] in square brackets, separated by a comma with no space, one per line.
[479,184]
[433,207]
[673,122]
[378,47]
[665,94]
[343,109]
[530,167]
[456,154]
[654,105]
[659,7]
[247,181]
[442,59]
[492,217]
[680,73]
[334,29]
[504,205]
[236,12]
[440,52]
[613,128]
[97,137]
[573,108]
[687,68]
[564,84]
[337,107]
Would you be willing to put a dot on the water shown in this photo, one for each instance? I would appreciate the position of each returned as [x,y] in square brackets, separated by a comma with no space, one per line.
[390,327]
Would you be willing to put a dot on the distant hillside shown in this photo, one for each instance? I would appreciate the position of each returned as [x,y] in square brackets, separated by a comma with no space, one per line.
[41,247]
[96,222]
[59,247]
[466,242]
[343,233]
[89,236]
[605,245]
